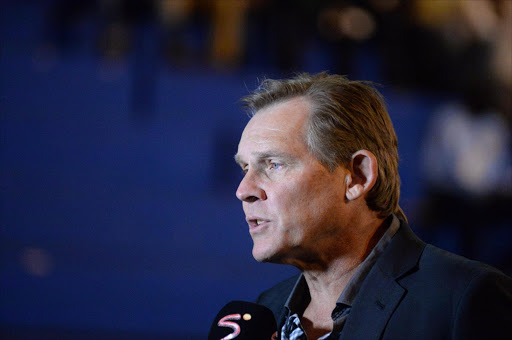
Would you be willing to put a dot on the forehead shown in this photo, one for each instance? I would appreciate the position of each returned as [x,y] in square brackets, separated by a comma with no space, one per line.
[281,125]
[283,119]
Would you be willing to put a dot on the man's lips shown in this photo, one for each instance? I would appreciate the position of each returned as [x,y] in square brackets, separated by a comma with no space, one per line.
[256,223]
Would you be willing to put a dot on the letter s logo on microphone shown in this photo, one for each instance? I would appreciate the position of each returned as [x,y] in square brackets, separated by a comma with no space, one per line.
[224,322]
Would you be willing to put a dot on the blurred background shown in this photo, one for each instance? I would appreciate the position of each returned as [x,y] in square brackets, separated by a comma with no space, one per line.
[119,120]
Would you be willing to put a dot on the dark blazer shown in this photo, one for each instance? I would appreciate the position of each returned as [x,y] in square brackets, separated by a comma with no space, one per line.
[417,291]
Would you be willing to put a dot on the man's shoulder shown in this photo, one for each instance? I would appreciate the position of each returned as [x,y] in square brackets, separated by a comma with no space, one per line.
[454,291]
[409,256]
[441,273]
[438,260]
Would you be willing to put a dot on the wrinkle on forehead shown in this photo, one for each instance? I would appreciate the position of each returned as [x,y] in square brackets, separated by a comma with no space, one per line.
[265,135]
[273,132]
[271,129]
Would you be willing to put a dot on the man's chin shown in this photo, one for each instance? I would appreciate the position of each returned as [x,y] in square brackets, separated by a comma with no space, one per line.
[259,256]
[265,255]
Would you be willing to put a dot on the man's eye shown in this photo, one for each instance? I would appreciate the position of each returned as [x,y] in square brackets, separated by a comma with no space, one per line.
[274,166]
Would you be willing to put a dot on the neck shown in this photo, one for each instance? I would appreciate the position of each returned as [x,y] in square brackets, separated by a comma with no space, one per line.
[327,280]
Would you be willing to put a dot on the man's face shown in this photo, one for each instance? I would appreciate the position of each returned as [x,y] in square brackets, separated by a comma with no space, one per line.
[293,204]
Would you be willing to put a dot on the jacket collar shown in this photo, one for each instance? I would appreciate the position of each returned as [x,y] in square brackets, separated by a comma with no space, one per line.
[381,293]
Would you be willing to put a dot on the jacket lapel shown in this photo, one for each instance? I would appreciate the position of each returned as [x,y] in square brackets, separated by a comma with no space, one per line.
[381,293]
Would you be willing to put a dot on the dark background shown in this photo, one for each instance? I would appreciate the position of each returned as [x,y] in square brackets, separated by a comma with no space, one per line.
[119,121]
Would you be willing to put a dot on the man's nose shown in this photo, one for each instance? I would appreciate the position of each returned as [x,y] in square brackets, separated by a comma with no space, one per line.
[249,190]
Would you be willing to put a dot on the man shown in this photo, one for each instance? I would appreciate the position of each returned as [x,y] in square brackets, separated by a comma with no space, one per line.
[320,192]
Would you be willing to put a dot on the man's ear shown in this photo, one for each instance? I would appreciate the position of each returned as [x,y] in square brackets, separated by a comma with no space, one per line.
[363,174]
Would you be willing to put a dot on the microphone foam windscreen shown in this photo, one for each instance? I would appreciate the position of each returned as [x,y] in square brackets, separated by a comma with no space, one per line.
[242,320]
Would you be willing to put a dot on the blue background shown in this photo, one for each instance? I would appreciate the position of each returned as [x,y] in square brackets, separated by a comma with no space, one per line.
[132,217]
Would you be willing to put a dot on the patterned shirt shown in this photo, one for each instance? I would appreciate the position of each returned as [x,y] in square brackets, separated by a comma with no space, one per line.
[299,298]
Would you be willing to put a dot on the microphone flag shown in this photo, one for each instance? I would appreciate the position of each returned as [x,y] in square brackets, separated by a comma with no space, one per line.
[243,320]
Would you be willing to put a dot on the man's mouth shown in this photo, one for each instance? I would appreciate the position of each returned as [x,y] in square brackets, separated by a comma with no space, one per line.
[256,222]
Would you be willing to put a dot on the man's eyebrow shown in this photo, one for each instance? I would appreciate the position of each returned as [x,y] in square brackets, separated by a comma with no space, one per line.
[266,155]
[273,154]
